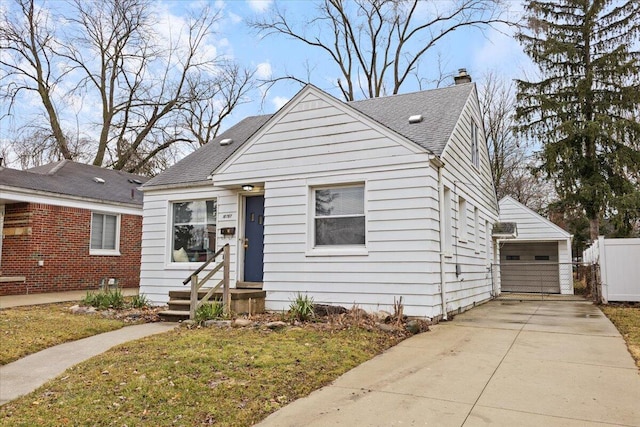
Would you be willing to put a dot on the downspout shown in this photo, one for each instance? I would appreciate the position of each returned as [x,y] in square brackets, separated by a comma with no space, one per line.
[438,164]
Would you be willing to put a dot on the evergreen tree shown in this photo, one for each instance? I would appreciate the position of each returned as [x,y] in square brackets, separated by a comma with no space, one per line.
[584,109]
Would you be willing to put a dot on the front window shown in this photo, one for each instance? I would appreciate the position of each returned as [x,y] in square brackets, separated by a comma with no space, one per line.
[339,216]
[104,234]
[194,230]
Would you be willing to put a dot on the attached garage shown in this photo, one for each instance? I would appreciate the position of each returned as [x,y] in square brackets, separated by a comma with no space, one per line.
[538,260]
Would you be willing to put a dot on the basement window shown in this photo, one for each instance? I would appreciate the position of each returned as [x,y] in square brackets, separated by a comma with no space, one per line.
[513,257]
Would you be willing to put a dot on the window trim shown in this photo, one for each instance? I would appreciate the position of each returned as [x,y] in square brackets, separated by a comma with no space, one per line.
[475,147]
[333,250]
[463,227]
[105,252]
[476,229]
[169,262]
[448,226]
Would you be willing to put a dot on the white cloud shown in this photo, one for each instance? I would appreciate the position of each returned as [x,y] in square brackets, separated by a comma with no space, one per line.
[260,6]
[234,18]
[279,101]
[263,70]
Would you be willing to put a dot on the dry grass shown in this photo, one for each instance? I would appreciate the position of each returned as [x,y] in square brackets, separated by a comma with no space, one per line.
[627,320]
[230,377]
[27,330]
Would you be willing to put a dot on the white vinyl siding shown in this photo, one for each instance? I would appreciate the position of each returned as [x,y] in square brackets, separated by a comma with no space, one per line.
[105,234]
[475,185]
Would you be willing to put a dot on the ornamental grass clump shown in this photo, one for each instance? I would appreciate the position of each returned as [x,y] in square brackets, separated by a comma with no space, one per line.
[209,311]
[301,308]
[104,299]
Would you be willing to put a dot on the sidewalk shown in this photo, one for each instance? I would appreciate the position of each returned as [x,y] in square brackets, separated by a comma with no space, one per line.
[25,375]
[7,301]
[505,363]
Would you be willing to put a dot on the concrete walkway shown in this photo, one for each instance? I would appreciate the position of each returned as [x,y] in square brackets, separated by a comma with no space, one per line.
[505,363]
[25,375]
[7,301]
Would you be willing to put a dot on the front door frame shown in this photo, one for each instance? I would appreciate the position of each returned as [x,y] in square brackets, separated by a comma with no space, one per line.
[242,208]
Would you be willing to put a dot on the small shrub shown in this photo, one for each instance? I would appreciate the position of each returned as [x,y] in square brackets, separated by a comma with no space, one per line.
[301,308]
[103,300]
[209,311]
[140,301]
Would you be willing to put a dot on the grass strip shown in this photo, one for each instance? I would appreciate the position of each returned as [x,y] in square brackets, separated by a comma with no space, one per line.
[627,321]
[29,329]
[230,377]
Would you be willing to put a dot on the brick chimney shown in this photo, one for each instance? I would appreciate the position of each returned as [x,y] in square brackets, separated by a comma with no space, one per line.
[462,77]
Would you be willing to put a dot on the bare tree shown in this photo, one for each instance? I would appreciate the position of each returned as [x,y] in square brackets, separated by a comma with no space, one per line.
[28,63]
[512,159]
[153,91]
[378,44]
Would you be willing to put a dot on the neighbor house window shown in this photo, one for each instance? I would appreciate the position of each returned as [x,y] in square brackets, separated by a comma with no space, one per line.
[339,217]
[104,234]
[475,151]
[193,234]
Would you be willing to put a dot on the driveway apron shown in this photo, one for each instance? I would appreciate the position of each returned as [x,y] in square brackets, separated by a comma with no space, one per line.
[525,363]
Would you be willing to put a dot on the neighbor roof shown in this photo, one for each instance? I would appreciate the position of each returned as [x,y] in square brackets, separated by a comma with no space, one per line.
[68,178]
[440,109]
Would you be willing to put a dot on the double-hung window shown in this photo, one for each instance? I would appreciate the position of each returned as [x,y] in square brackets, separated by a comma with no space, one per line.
[339,216]
[193,233]
[105,234]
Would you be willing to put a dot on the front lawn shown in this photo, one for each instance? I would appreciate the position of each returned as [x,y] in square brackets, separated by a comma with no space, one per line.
[627,319]
[29,329]
[193,377]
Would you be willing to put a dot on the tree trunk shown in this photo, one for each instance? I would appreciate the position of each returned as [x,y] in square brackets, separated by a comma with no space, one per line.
[594,228]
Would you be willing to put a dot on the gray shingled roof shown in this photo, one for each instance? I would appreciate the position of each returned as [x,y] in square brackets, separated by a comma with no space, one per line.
[69,178]
[197,166]
[440,108]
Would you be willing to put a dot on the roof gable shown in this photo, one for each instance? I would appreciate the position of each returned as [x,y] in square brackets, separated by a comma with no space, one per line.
[531,225]
[311,97]
[68,178]
[440,108]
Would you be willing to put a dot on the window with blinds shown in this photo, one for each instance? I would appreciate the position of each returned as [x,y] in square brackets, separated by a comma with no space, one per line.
[104,234]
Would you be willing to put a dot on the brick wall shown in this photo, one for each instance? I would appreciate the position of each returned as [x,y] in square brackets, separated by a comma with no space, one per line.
[60,236]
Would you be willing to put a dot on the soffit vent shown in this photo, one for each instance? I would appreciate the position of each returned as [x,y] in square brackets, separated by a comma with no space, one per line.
[226,141]
[416,119]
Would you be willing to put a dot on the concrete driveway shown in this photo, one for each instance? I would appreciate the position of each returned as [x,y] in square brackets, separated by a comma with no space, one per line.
[506,363]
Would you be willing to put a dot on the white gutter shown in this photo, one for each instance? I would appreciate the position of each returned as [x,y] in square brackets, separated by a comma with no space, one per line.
[437,163]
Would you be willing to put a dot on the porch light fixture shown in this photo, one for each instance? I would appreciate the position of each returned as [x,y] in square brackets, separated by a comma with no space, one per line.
[247,187]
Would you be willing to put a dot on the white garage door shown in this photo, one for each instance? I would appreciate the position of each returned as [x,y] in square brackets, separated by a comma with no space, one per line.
[529,267]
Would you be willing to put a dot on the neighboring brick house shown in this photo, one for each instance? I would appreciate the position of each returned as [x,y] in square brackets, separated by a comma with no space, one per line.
[68,226]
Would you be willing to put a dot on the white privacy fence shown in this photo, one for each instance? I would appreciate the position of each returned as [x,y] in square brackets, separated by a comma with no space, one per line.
[619,268]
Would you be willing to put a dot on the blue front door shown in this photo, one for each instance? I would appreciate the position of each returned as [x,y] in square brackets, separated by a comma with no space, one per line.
[254,238]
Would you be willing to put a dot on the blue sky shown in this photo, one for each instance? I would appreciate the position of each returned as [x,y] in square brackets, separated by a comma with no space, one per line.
[479,52]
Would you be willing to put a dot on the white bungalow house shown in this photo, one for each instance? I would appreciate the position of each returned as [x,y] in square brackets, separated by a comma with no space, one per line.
[538,260]
[349,203]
